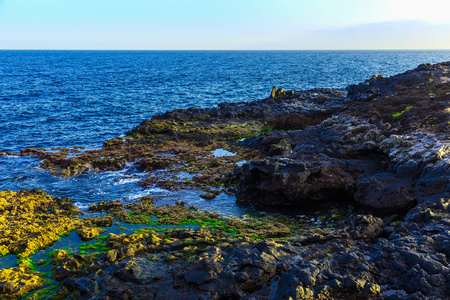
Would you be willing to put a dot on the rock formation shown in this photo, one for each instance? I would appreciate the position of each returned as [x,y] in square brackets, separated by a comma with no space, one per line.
[368,167]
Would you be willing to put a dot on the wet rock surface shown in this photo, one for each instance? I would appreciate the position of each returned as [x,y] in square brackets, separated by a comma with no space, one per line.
[31,220]
[369,166]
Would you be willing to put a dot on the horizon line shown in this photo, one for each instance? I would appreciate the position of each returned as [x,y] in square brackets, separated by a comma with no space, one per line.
[47,49]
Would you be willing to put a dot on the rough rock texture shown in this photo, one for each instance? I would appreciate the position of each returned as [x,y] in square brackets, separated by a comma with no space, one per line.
[375,152]
[415,260]
[317,264]
[371,166]
[285,182]
[17,282]
[284,112]
[88,233]
[25,224]
[389,151]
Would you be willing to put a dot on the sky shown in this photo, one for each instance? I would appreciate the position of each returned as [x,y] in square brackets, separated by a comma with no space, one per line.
[224,24]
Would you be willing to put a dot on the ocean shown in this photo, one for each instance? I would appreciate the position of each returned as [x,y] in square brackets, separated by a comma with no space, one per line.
[81,98]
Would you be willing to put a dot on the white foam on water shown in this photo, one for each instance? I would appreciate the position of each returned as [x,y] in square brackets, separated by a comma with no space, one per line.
[82,206]
[12,156]
[126,180]
[147,192]
[129,166]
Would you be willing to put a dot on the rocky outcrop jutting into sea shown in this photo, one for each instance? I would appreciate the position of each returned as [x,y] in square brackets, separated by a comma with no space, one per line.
[368,167]
[388,149]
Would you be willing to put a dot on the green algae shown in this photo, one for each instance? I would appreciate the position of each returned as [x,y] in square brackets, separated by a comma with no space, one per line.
[396,115]
[146,221]
[44,293]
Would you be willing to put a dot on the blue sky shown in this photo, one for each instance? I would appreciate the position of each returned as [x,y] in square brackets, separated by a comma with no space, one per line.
[224,24]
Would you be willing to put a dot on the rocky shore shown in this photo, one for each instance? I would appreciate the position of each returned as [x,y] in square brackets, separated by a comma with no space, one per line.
[368,166]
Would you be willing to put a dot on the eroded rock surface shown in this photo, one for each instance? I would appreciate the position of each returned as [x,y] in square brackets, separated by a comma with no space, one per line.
[372,165]
[387,150]
[32,220]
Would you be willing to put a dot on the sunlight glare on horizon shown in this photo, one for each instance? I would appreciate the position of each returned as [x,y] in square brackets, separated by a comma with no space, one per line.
[430,10]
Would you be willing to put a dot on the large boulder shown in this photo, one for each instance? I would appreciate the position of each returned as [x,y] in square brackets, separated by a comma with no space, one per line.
[295,183]
[385,192]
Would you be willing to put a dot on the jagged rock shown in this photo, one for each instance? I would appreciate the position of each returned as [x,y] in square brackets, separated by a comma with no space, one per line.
[111,255]
[106,206]
[88,233]
[384,148]
[384,192]
[105,221]
[297,183]
[17,282]
[415,263]
[367,228]
[282,147]
[34,227]
[277,93]
[58,256]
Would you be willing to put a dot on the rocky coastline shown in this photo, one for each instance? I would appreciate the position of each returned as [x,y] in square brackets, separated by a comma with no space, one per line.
[369,167]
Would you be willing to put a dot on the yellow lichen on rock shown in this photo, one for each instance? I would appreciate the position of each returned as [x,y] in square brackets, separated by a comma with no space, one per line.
[153,239]
[16,282]
[25,201]
[88,233]
[31,220]
[58,255]
[117,241]
[3,250]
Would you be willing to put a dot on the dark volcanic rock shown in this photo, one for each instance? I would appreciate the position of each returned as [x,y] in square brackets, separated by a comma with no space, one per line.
[106,206]
[388,160]
[415,262]
[380,85]
[385,147]
[386,193]
[287,183]
[296,110]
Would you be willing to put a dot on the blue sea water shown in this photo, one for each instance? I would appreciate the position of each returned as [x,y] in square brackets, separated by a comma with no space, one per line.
[81,98]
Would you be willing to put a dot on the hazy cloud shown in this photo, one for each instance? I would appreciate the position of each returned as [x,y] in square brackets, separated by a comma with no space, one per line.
[407,34]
